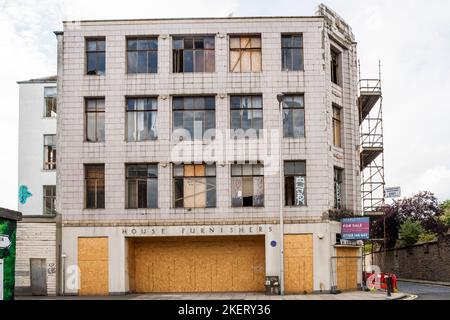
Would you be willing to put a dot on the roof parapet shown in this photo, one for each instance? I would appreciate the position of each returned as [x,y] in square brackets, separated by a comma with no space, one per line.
[335,22]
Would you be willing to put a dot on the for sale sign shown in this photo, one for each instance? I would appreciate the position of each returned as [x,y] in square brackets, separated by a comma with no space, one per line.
[355,229]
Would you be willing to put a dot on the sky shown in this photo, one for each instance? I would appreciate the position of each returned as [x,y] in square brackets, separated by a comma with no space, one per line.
[411,37]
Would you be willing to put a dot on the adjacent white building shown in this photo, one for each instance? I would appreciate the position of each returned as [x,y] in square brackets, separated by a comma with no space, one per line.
[37,233]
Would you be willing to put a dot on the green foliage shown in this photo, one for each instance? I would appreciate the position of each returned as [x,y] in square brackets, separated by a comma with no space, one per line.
[445,218]
[9,255]
[410,232]
[427,236]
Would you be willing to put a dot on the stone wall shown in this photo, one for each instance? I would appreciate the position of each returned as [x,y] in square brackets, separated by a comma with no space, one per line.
[429,261]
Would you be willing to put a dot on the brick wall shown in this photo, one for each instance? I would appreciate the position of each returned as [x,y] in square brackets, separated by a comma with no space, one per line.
[430,261]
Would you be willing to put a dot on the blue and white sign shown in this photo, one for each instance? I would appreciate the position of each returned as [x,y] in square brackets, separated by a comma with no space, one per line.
[355,229]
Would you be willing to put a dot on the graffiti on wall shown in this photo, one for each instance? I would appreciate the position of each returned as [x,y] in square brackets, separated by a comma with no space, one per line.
[8,255]
[24,194]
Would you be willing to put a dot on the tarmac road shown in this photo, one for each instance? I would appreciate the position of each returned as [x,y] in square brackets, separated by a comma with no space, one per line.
[425,291]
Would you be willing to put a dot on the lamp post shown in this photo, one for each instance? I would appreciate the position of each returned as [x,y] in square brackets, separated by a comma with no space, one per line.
[280,98]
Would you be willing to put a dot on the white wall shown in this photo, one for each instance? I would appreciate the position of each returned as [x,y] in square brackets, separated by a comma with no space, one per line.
[32,128]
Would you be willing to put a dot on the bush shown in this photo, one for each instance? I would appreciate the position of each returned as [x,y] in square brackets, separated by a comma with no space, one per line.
[427,237]
[445,218]
[410,232]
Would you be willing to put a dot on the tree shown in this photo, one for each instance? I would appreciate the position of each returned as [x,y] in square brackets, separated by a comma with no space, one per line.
[410,231]
[423,208]
[445,218]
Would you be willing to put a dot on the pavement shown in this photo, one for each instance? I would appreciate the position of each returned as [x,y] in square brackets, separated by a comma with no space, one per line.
[425,290]
[357,295]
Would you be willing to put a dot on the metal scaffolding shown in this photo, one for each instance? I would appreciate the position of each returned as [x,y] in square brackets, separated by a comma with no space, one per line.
[370,103]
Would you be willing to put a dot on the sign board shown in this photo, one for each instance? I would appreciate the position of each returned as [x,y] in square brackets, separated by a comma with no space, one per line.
[392,193]
[5,243]
[355,229]
[1,279]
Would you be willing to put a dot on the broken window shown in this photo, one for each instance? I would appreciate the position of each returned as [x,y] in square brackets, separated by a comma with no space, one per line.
[294,116]
[142,55]
[142,186]
[247,185]
[193,54]
[194,186]
[292,52]
[50,152]
[141,119]
[337,140]
[95,56]
[50,102]
[335,66]
[49,197]
[95,119]
[95,186]
[195,115]
[338,188]
[245,54]
[246,113]
[295,183]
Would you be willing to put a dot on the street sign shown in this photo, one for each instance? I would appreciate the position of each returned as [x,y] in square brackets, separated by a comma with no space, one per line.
[4,242]
[355,229]
[392,193]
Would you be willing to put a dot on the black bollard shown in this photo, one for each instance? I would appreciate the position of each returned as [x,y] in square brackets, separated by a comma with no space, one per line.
[389,286]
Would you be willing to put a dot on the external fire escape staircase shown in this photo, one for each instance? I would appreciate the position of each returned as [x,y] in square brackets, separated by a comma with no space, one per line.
[370,103]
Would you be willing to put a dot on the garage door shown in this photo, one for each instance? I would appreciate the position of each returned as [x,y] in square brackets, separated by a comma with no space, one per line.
[93,264]
[347,268]
[203,264]
[298,265]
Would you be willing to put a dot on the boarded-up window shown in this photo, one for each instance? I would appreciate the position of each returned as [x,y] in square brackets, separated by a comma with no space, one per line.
[245,54]
[247,185]
[194,186]
[193,54]
[337,140]
[295,183]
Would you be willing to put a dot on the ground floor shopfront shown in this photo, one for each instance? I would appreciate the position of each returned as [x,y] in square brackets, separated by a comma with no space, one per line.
[225,258]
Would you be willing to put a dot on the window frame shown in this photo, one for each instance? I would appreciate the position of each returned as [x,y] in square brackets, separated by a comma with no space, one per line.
[253,176]
[194,109]
[53,98]
[194,177]
[50,165]
[96,192]
[292,48]
[179,52]
[302,109]
[96,52]
[152,111]
[241,50]
[136,180]
[338,180]
[140,38]
[96,112]
[52,198]
[294,175]
[337,126]
[336,65]
[241,109]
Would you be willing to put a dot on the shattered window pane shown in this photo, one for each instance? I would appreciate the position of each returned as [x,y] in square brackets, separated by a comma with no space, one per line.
[193,54]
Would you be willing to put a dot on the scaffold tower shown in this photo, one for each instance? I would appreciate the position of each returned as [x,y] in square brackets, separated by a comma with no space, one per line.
[370,102]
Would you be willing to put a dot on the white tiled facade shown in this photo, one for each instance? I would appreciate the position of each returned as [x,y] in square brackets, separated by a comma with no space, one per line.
[316,149]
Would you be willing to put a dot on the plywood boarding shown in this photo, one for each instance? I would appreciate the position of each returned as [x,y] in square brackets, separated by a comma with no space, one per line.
[93,263]
[347,268]
[199,264]
[298,264]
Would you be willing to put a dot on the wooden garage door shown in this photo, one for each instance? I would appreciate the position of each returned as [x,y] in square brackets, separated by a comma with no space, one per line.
[202,264]
[93,263]
[298,263]
[347,268]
